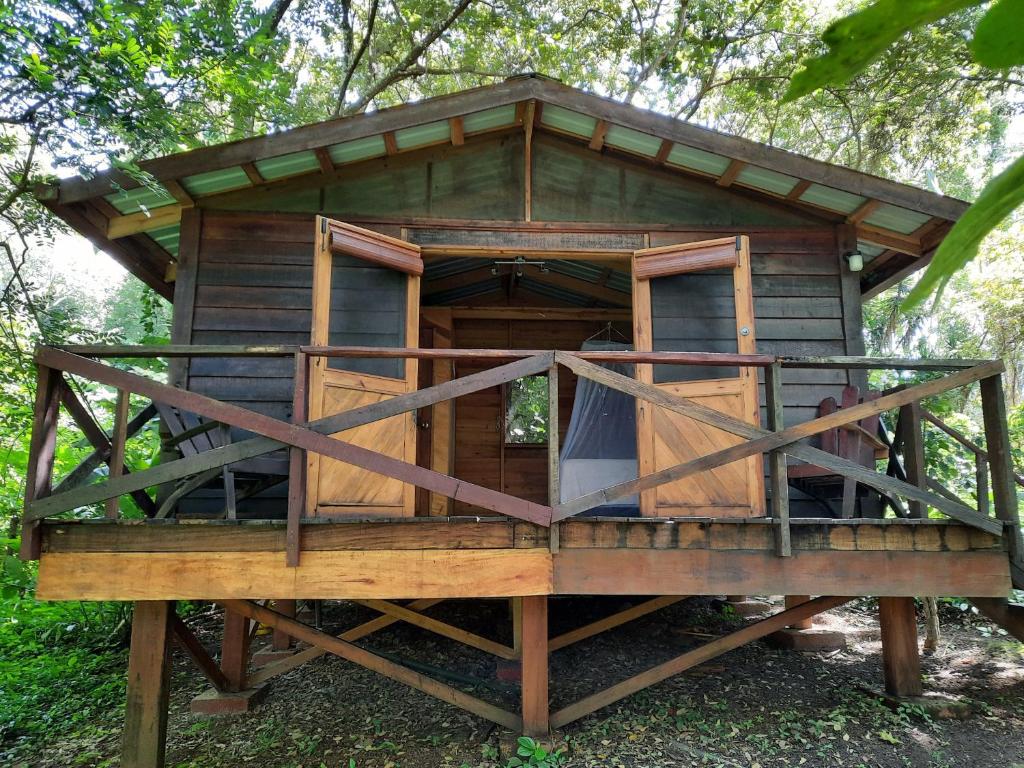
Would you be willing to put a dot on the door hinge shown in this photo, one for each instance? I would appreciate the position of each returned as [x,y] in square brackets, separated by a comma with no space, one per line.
[739,239]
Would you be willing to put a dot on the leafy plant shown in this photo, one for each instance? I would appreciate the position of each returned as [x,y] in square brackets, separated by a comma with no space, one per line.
[855,41]
[531,753]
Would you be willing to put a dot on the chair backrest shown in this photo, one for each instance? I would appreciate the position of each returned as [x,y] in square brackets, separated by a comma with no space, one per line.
[839,441]
[180,422]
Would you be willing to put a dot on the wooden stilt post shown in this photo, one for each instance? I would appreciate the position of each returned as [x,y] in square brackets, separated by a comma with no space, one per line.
[516,608]
[281,640]
[792,601]
[145,716]
[234,654]
[901,659]
[535,665]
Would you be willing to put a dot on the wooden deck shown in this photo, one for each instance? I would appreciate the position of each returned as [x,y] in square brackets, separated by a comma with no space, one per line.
[498,557]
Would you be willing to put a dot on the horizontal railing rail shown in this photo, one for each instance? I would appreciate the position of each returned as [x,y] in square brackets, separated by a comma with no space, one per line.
[301,437]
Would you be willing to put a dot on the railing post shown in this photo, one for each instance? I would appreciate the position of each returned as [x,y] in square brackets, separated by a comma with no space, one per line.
[118,437]
[297,463]
[42,445]
[981,483]
[997,441]
[554,482]
[913,453]
[777,470]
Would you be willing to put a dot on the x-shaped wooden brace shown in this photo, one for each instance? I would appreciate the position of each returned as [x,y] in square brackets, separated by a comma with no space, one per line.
[313,436]
[763,441]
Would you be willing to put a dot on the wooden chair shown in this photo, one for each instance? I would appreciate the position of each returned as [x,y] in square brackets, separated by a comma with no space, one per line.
[857,442]
[191,436]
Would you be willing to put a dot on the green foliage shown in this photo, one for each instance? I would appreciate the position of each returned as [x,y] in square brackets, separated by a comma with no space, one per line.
[999,38]
[526,411]
[859,39]
[529,752]
[997,201]
[60,667]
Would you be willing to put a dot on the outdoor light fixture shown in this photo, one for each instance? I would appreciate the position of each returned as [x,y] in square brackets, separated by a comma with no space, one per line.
[856,261]
[518,264]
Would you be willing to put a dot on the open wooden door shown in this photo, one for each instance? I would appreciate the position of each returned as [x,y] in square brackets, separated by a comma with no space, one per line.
[365,293]
[696,297]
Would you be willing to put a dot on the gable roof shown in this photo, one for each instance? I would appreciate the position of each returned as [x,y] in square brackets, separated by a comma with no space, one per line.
[898,225]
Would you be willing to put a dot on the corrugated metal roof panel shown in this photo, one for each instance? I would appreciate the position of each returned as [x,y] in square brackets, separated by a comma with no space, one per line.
[419,135]
[555,292]
[566,120]
[632,141]
[212,182]
[619,281]
[697,160]
[436,269]
[489,118]
[359,149]
[897,219]
[134,200]
[462,293]
[167,238]
[766,180]
[287,165]
[582,269]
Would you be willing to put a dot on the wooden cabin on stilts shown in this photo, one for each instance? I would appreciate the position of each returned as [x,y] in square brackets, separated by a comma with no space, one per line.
[516,342]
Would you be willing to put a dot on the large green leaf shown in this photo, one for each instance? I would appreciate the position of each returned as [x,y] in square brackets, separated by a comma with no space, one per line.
[1000,196]
[858,39]
[999,38]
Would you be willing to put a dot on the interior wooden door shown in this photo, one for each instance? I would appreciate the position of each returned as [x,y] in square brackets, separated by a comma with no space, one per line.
[365,293]
[696,297]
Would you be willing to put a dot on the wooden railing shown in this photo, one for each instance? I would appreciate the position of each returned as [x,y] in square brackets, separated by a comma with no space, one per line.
[299,437]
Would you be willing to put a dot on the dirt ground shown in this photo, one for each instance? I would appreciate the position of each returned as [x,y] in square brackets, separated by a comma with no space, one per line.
[752,707]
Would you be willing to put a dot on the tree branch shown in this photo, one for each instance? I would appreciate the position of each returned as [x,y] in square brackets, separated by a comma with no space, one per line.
[401,70]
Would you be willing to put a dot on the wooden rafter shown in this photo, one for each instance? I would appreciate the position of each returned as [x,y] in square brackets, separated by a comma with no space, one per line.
[862,211]
[798,189]
[729,175]
[456,128]
[597,137]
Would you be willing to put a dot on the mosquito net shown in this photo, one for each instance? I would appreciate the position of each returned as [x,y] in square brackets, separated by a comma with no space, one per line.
[600,444]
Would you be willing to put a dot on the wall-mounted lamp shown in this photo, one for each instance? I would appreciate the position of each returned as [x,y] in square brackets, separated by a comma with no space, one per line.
[855,260]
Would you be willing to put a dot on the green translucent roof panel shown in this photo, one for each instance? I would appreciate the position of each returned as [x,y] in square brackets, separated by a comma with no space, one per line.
[697,160]
[765,180]
[895,218]
[832,199]
[134,200]
[562,119]
[357,149]
[419,135]
[632,141]
[870,250]
[489,119]
[287,165]
[211,182]
[167,237]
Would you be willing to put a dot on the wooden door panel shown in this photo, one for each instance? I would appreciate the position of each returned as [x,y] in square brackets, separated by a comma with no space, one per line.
[343,488]
[365,293]
[682,319]
[721,492]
